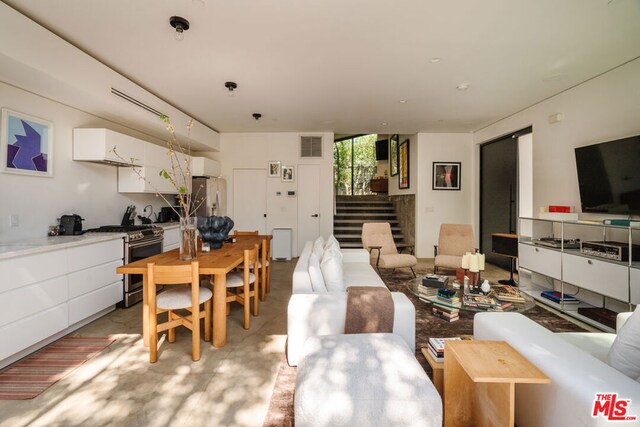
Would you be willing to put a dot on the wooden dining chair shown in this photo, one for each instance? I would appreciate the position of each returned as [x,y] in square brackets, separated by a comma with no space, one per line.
[245,233]
[264,263]
[242,282]
[185,293]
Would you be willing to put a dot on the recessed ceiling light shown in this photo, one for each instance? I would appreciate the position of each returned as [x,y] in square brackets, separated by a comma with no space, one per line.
[180,25]
[463,86]
[383,123]
[403,101]
[436,59]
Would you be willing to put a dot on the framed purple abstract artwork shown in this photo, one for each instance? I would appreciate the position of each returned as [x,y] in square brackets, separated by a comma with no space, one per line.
[26,144]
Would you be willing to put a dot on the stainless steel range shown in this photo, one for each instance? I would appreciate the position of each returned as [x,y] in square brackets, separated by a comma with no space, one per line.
[140,241]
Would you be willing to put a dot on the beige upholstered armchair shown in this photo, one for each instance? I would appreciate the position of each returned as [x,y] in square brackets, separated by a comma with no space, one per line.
[453,242]
[378,240]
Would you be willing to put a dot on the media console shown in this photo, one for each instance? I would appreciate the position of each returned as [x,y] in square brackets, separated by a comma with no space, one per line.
[611,282]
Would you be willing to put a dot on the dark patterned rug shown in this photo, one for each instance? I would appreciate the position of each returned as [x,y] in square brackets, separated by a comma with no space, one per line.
[281,406]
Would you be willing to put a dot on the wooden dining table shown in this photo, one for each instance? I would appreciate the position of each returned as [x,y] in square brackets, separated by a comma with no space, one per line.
[217,263]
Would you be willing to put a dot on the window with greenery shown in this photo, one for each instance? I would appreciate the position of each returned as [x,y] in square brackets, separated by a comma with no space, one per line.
[354,164]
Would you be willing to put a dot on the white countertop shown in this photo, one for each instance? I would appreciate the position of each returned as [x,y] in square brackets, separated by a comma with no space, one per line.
[45,244]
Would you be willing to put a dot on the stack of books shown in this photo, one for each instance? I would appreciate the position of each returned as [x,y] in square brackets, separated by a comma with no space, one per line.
[507,293]
[556,297]
[481,301]
[449,297]
[444,312]
[427,294]
[436,347]
[434,281]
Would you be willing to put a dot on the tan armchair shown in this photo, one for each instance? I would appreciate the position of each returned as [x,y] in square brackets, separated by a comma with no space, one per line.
[378,240]
[453,242]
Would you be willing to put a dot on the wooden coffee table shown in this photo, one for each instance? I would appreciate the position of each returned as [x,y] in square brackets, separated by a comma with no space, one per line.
[438,371]
[479,382]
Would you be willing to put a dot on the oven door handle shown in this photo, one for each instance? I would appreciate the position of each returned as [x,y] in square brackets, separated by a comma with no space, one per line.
[145,243]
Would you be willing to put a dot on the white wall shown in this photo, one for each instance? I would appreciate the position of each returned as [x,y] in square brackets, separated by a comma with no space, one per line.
[88,189]
[436,207]
[254,151]
[413,169]
[602,109]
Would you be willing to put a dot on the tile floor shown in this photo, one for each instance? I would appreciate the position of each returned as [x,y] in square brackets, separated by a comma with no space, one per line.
[230,386]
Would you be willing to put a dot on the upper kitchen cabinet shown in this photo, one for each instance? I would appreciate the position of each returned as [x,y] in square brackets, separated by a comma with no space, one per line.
[148,179]
[106,146]
[202,166]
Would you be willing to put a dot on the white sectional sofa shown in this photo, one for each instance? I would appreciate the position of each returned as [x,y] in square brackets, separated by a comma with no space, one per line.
[313,313]
[575,362]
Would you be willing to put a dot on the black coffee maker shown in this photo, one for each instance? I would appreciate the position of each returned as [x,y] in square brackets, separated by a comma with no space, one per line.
[167,214]
[70,225]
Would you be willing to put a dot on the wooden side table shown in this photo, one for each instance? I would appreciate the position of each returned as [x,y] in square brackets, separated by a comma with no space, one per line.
[479,382]
[438,371]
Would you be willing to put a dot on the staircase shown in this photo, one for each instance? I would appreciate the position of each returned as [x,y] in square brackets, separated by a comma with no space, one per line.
[353,211]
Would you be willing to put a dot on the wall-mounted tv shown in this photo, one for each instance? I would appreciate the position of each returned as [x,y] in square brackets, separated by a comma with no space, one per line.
[609,176]
[382,149]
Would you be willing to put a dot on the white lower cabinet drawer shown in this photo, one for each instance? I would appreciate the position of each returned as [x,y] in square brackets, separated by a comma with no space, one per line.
[29,300]
[26,332]
[170,247]
[22,271]
[86,256]
[90,279]
[598,276]
[634,298]
[171,239]
[88,304]
[540,260]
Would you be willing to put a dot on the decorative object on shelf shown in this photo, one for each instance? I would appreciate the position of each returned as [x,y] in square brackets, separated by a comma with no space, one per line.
[26,144]
[287,174]
[188,238]
[446,175]
[403,165]
[274,169]
[485,286]
[475,263]
[393,154]
[214,230]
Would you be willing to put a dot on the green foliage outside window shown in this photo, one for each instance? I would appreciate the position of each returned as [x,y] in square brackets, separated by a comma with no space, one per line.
[364,164]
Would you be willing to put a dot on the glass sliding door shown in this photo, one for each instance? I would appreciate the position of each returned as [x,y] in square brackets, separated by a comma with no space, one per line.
[354,164]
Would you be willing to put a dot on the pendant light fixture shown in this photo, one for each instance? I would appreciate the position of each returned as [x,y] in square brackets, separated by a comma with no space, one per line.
[181,25]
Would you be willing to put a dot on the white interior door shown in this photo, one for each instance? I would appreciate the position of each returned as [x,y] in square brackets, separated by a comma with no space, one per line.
[250,199]
[308,203]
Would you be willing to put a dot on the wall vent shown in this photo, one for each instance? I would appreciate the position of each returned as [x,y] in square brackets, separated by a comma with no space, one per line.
[310,146]
[134,101]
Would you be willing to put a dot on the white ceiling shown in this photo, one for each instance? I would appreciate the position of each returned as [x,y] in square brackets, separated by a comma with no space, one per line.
[343,66]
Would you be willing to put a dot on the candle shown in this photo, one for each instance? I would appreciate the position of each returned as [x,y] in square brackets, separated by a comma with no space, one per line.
[481,262]
[473,263]
[465,261]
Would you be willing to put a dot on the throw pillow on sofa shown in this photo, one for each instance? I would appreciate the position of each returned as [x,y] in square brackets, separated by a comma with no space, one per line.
[331,267]
[315,274]
[331,243]
[332,252]
[318,249]
[625,349]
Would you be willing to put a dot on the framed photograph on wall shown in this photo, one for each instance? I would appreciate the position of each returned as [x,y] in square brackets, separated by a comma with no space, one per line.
[26,144]
[403,165]
[393,155]
[446,175]
[274,169]
[287,174]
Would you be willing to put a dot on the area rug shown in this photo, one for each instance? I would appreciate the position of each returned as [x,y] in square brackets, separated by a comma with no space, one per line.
[34,374]
[281,406]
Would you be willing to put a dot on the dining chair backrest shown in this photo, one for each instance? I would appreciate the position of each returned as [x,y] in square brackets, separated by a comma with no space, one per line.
[174,275]
[246,233]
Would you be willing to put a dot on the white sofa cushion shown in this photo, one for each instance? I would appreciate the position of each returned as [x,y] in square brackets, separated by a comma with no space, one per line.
[318,250]
[332,242]
[363,380]
[315,274]
[596,344]
[625,350]
[358,274]
[331,267]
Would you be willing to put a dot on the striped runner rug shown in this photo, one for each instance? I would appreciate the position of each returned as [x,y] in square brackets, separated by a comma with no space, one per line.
[34,374]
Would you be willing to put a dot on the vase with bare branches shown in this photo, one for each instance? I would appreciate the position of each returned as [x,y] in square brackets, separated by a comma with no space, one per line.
[179,176]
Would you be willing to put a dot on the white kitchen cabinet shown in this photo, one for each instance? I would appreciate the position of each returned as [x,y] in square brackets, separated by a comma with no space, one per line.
[52,292]
[203,166]
[101,145]
[171,239]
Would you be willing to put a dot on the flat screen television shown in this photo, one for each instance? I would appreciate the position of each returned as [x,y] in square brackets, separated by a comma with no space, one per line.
[382,149]
[609,176]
